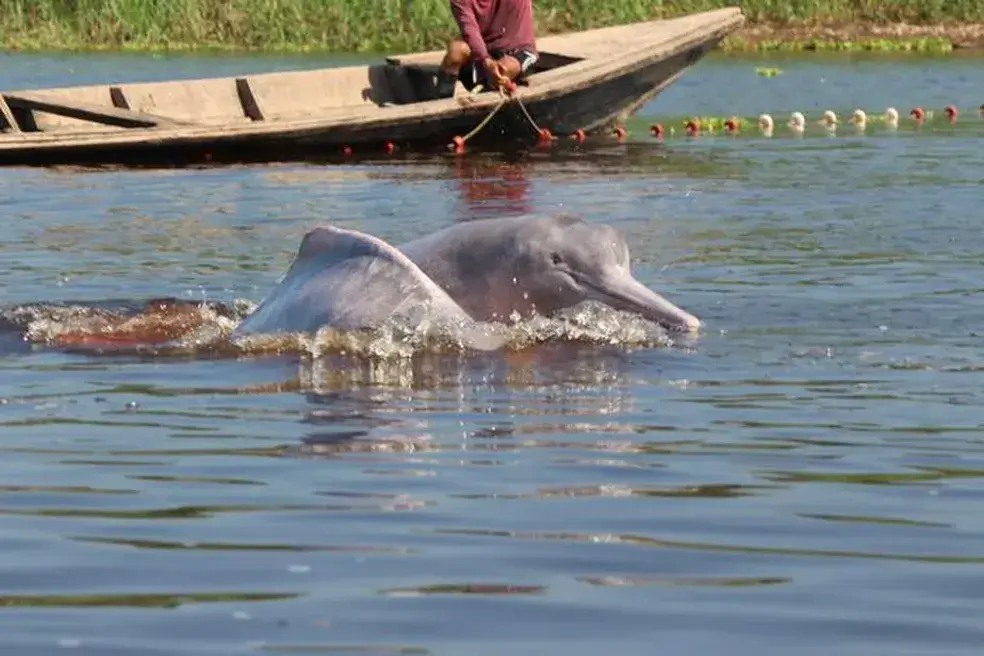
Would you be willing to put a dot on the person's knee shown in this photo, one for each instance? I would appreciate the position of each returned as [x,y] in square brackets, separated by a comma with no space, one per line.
[458,52]
[510,67]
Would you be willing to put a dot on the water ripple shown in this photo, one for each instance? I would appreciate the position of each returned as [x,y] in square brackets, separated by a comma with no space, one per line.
[805,475]
[138,600]
[643,541]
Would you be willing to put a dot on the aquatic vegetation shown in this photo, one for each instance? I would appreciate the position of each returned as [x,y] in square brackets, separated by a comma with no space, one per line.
[377,25]
[766,71]
[710,124]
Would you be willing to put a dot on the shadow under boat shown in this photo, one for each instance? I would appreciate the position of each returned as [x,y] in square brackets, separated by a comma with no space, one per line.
[591,81]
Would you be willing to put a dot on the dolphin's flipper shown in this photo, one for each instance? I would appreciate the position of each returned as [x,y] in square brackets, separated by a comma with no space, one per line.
[348,280]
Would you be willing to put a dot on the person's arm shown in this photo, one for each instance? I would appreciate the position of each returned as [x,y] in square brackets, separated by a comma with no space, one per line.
[464,15]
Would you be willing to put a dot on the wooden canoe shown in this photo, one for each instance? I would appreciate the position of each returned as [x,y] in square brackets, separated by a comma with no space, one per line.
[589,81]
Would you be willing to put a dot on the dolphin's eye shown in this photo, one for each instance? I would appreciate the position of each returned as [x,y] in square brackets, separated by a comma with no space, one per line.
[556,258]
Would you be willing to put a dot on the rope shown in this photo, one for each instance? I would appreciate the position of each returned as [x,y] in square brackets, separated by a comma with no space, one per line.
[486,120]
[536,128]
[505,98]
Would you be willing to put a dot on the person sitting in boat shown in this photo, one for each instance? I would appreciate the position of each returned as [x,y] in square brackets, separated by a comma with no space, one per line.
[497,44]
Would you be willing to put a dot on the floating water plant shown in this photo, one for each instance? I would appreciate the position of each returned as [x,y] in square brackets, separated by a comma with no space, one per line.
[765,71]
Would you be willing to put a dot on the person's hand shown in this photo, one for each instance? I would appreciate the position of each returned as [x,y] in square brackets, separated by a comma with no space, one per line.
[493,72]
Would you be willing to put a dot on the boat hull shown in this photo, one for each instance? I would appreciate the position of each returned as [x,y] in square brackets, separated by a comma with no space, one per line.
[581,96]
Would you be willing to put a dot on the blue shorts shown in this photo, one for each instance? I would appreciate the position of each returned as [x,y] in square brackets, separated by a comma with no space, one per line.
[473,73]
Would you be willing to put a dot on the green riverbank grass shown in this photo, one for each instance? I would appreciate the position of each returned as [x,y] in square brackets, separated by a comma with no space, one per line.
[308,26]
[920,45]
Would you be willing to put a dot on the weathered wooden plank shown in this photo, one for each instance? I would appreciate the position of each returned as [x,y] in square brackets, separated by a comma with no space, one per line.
[119,98]
[251,108]
[125,118]
[8,117]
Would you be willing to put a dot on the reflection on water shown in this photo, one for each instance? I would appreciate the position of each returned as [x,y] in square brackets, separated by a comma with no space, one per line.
[802,477]
[491,189]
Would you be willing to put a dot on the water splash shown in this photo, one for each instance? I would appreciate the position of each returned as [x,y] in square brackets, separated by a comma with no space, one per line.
[172,327]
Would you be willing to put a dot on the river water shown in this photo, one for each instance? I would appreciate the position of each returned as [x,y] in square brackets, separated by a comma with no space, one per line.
[802,477]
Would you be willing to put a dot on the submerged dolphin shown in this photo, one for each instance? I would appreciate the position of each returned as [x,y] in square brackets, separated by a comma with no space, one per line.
[470,272]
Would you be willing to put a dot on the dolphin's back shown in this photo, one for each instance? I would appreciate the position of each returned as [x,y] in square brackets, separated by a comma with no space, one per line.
[476,262]
[347,280]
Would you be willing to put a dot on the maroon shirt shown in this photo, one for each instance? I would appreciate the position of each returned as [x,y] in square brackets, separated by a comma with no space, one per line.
[494,24]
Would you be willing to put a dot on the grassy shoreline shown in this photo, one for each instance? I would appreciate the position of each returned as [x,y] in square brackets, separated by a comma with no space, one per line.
[940,38]
[326,26]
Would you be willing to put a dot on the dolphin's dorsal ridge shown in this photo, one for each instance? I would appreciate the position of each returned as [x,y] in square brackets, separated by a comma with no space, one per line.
[349,280]
[563,220]
[325,241]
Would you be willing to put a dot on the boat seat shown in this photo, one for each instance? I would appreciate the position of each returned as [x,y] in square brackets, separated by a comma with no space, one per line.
[409,83]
